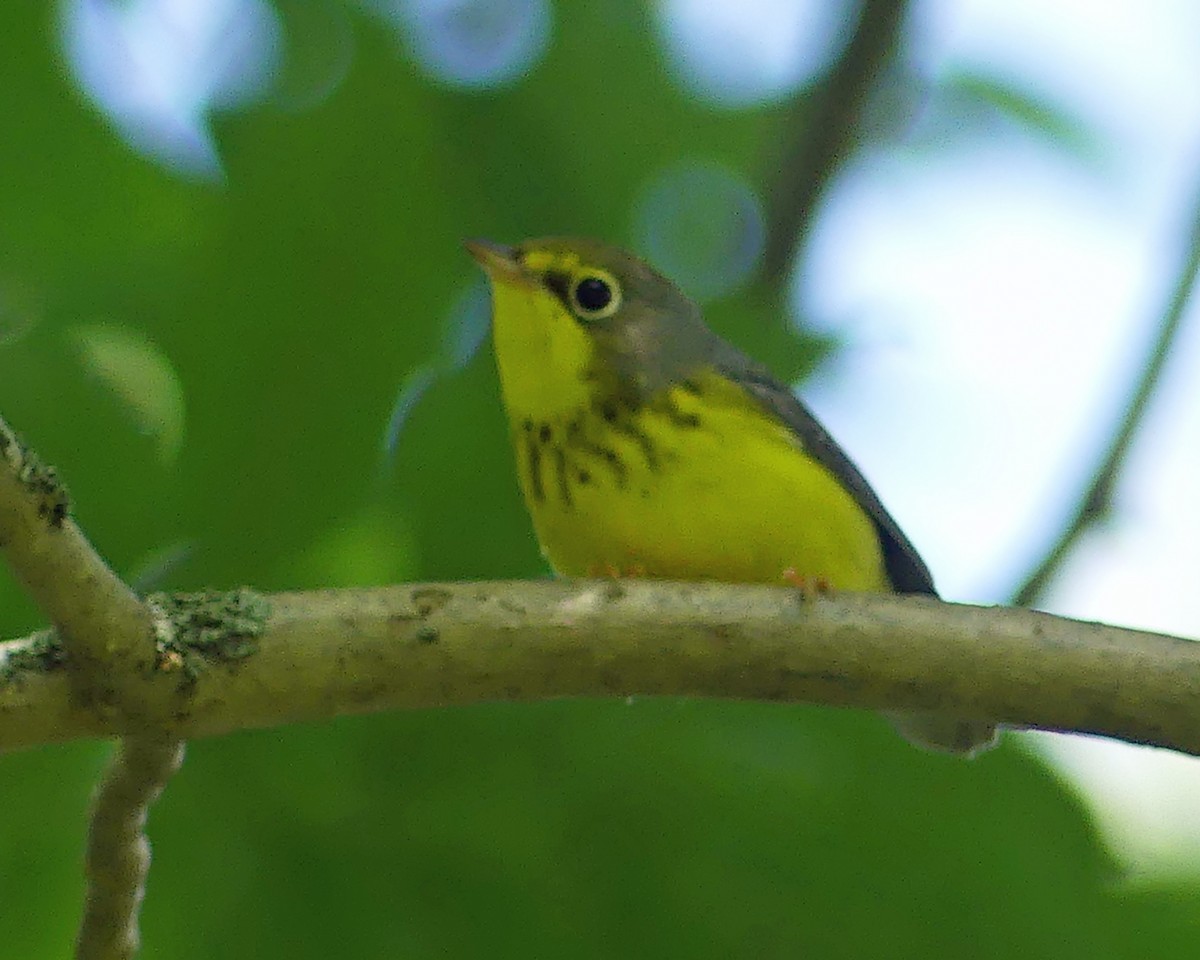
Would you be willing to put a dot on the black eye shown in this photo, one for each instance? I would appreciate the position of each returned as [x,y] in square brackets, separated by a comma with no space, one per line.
[592,295]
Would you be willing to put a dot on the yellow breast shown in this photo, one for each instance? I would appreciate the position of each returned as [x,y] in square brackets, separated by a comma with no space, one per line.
[697,484]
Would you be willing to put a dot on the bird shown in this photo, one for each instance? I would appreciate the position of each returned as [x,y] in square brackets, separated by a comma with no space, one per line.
[646,445]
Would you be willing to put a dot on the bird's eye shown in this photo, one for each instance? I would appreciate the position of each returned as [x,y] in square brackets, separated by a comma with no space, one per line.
[592,294]
[595,296]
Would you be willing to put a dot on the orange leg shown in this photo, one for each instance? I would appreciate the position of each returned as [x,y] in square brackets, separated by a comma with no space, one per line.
[601,571]
[810,587]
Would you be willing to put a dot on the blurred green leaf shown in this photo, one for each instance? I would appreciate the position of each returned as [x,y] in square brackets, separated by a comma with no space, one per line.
[968,104]
[142,377]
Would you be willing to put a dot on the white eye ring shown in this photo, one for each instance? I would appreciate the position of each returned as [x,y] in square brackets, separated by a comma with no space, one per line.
[595,294]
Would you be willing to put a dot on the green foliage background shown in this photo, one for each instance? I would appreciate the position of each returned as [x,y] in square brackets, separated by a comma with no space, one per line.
[291,302]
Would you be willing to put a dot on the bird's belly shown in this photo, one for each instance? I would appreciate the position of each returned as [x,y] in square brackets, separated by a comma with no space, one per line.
[731,499]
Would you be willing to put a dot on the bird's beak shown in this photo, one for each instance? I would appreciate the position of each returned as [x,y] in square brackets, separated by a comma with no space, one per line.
[499,261]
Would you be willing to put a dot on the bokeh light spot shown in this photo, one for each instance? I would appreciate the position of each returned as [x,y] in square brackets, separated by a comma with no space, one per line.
[472,43]
[158,68]
[752,51]
[374,545]
[155,568]
[703,226]
[412,388]
[467,324]
[464,329]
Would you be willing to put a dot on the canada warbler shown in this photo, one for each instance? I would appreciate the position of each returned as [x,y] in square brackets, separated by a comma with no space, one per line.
[646,445]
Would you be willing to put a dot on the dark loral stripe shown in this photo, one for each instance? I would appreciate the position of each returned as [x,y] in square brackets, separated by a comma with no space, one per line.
[559,284]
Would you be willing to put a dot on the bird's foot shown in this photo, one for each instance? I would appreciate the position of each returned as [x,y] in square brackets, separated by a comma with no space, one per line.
[810,587]
[610,571]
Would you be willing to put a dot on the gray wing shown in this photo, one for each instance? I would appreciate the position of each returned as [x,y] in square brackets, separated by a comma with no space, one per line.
[905,568]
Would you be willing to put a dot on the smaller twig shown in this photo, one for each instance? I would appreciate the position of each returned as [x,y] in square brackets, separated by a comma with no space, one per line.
[118,853]
[822,129]
[104,627]
[1095,502]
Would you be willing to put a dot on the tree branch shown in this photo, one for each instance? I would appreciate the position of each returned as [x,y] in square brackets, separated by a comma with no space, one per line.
[823,128]
[1096,500]
[329,653]
[118,853]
